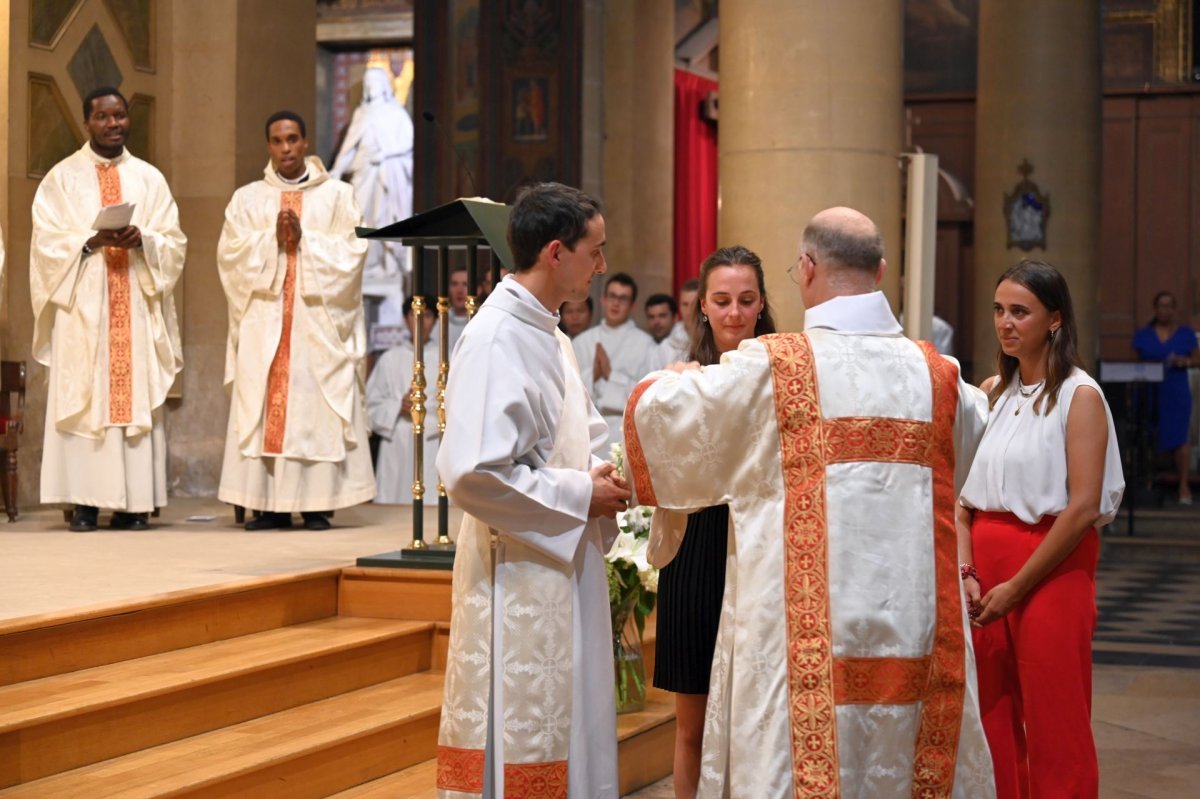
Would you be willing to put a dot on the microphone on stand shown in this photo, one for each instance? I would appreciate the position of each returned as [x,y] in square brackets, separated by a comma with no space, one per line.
[429,117]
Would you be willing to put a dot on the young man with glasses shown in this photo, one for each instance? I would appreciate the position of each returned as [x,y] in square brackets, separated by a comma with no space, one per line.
[615,354]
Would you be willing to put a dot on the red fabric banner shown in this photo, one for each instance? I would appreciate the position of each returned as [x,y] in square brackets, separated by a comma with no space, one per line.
[695,177]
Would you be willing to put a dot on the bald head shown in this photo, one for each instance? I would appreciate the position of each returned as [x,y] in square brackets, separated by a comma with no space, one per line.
[842,238]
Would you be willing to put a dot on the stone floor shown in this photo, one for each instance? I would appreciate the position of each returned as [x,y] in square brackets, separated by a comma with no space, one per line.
[1146,714]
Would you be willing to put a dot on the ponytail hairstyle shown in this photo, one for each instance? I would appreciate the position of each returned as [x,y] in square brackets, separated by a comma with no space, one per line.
[703,344]
[1048,285]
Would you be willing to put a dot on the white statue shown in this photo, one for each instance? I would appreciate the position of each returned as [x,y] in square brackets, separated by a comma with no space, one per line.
[377,154]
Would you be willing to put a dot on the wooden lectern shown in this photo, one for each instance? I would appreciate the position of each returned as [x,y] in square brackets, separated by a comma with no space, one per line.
[468,225]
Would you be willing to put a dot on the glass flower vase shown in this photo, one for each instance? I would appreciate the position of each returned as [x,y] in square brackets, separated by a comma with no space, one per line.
[628,664]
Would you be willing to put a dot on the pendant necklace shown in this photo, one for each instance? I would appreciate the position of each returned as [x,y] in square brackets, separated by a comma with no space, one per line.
[1026,392]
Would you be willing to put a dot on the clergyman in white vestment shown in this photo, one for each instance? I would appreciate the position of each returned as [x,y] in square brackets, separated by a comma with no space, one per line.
[390,412]
[843,663]
[105,323]
[529,695]
[615,354]
[291,266]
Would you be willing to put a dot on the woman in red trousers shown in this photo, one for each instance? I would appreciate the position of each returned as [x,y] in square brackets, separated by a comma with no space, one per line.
[1046,475]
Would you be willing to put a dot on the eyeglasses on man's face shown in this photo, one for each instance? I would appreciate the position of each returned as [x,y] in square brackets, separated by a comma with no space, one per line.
[622,298]
[794,270]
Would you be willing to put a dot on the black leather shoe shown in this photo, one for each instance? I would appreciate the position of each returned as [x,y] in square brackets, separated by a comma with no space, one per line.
[122,520]
[268,520]
[316,520]
[84,518]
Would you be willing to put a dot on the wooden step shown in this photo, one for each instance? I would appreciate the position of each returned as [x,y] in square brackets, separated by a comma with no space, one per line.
[645,749]
[306,752]
[69,720]
[414,782]
[410,594]
[39,646]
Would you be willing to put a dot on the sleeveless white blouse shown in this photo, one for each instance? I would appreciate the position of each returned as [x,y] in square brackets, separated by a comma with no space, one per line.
[1021,464]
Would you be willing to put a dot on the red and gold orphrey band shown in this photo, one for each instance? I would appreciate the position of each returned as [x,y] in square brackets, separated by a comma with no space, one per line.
[817,681]
[634,455]
[120,333]
[279,376]
[462,770]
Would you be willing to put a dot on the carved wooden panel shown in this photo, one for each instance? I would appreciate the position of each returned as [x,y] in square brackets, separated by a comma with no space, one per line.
[1118,223]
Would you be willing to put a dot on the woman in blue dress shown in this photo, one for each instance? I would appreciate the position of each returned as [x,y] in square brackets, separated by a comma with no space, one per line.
[1175,346]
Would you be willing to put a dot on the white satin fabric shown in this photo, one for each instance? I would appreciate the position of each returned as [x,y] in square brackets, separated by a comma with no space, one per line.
[1021,467]
[520,437]
[711,437]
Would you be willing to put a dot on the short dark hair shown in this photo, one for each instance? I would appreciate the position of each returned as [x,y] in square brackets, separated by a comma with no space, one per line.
[837,246]
[97,93]
[664,299]
[546,212]
[625,280]
[279,116]
[691,285]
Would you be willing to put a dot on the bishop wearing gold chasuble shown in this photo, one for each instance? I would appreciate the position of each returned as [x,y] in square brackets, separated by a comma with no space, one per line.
[843,664]
[105,324]
[291,266]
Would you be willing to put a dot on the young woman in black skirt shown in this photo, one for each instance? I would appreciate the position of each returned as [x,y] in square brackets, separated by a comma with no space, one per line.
[732,308]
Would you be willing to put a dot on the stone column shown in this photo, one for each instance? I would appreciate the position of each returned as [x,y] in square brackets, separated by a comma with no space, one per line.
[638,149]
[811,116]
[1038,100]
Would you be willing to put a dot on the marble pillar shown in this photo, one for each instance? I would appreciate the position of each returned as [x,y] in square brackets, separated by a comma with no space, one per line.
[1038,101]
[638,150]
[811,116]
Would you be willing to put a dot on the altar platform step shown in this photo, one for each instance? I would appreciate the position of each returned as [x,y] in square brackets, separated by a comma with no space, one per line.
[293,686]
[306,752]
[646,742]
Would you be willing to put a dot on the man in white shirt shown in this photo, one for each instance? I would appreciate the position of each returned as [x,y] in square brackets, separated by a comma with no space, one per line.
[660,316]
[614,355]
[575,317]
[529,695]
[389,408]
[843,663]
[676,347]
[105,323]
[458,315]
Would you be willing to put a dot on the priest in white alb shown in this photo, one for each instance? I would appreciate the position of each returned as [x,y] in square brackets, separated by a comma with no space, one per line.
[529,697]
[105,323]
[615,354]
[291,265]
[843,664]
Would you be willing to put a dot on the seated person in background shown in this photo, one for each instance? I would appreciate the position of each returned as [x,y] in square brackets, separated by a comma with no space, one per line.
[660,316]
[1165,340]
[575,317]
[614,355]
[389,409]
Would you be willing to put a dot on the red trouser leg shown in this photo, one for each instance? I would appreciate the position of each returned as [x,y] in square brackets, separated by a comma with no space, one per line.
[1035,668]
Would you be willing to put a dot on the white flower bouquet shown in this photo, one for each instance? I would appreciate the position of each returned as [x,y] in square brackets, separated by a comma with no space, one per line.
[632,591]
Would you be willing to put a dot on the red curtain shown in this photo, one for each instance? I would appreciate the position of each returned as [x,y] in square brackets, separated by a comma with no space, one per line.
[695,177]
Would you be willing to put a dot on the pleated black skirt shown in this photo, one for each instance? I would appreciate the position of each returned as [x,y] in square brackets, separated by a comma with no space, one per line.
[689,604]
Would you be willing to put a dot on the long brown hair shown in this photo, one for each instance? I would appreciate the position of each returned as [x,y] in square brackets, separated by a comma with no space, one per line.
[704,345]
[1047,284]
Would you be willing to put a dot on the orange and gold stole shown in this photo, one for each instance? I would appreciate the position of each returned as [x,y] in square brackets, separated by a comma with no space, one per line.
[280,374]
[120,336]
